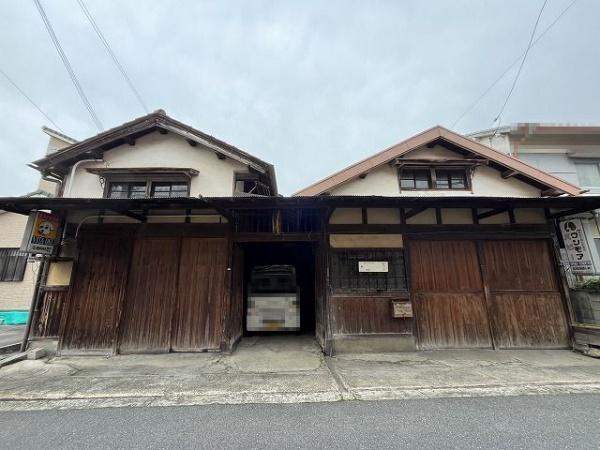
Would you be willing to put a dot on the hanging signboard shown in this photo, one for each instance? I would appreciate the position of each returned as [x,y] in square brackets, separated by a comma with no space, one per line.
[576,246]
[41,233]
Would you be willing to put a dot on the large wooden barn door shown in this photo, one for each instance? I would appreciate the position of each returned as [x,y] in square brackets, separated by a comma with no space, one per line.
[526,304]
[198,319]
[151,295]
[447,295]
[96,294]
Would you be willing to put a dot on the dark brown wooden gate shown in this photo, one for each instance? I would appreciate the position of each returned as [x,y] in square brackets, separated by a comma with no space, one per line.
[447,295]
[492,292]
[151,296]
[198,319]
[526,304]
[91,313]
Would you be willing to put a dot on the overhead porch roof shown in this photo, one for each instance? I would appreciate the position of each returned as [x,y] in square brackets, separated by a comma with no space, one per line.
[555,206]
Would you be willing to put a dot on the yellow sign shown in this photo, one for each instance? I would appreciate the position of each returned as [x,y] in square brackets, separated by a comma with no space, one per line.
[41,233]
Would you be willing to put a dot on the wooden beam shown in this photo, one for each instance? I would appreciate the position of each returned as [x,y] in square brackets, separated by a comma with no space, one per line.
[163,131]
[131,142]
[509,173]
[365,217]
[568,212]
[413,212]
[402,216]
[192,142]
[491,213]
[550,192]
[474,216]
[132,215]
[438,215]
[511,215]
[221,156]
[363,175]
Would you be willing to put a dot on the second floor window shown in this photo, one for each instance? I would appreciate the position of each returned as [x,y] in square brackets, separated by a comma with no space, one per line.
[145,189]
[433,178]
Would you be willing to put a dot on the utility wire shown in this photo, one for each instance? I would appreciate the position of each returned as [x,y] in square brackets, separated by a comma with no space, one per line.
[67,65]
[34,104]
[112,54]
[514,63]
[512,88]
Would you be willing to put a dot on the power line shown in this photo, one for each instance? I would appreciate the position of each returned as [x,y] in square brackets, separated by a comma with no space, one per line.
[67,65]
[512,88]
[34,104]
[112,54]
[508,69]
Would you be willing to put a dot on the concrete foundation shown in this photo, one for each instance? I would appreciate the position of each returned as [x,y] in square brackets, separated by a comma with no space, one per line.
[372,344]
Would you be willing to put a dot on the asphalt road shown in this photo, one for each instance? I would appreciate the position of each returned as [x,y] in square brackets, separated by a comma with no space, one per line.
[533,422]
[11,334]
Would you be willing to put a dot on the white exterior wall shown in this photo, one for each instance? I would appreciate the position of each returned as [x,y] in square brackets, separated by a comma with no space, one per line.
[156,150]
[486,182]
[16,294]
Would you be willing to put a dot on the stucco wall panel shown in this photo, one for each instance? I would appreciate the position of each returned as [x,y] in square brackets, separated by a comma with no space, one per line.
[157,150]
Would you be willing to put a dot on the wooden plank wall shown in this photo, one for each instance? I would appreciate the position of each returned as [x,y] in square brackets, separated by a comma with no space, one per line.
[90,319]
[151,296]
[447,295]
[366,315]
[47,321]
[526,305]
[198,318]
[234,322]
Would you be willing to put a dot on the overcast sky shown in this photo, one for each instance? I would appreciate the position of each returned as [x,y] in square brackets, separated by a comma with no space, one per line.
[308,86]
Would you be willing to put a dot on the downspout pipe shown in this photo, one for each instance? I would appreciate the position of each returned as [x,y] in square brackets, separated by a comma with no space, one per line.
[67,192]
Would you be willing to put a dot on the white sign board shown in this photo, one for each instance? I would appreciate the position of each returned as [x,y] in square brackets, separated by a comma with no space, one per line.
[372,266]
[576,245]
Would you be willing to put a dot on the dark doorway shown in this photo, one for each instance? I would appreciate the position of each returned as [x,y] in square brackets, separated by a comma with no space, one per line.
[300,255]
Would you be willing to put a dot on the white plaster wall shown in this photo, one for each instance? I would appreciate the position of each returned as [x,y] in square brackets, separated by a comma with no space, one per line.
[156,150]
[487,182]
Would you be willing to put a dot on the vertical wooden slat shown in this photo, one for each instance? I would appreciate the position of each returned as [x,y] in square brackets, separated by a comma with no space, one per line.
[198,318]
[151,296]
[99,281]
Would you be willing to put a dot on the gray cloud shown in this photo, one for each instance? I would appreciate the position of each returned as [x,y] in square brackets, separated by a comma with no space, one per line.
[308,86]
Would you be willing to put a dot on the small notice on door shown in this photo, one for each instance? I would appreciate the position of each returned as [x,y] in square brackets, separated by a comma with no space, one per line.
[402,309]
[372,266]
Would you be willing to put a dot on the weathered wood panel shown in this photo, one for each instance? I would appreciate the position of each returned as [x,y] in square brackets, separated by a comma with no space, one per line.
[526,304]
[444,266]
[448,296]
[50,310]
[234,321]
[451,320]
[518,265]
[198,319]
[366,315]
[151,296]
[529,320]
[98,288]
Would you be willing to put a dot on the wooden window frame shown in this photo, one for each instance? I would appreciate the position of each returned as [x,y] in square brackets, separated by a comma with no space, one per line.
[17,271]
[433,177]
[369,254]
[148,179]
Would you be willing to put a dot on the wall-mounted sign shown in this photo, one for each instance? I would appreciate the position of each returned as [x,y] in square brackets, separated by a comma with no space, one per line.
[41,233]
[401,309]
[372,266]
[577,248]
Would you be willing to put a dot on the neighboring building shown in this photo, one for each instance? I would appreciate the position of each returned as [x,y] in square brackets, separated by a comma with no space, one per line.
[17,271]
[570,152]
[427,244]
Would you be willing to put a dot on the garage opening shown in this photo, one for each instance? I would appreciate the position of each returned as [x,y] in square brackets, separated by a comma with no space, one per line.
[278,288]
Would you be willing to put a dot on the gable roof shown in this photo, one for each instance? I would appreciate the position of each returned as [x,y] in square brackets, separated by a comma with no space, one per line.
[523,171]
[57,163]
